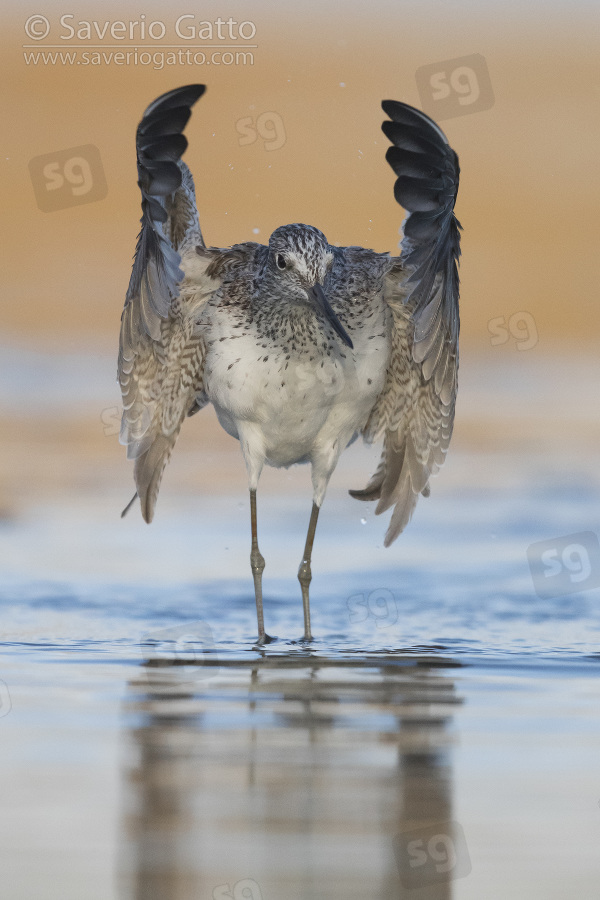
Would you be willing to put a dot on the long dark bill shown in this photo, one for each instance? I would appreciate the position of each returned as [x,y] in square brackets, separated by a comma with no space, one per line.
[318,295]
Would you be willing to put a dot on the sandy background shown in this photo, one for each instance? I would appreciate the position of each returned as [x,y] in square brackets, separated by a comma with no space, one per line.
[529,191]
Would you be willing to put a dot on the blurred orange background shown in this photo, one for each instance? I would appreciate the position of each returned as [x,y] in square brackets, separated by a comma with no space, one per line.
[529,192]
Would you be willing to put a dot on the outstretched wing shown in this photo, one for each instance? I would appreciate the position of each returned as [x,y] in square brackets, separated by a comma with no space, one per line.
[160,366]
[415,410]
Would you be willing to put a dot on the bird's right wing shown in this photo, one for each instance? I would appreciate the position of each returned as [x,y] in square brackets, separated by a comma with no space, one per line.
[161,353]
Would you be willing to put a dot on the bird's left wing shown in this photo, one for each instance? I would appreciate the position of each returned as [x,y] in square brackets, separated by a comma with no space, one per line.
[415,411]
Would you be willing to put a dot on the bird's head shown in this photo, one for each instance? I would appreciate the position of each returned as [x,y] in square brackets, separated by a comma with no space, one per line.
[299,261]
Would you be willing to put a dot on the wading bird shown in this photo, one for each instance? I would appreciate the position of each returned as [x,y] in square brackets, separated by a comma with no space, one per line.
[299,345]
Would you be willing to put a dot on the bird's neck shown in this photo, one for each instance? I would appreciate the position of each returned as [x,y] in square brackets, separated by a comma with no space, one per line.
[287,321]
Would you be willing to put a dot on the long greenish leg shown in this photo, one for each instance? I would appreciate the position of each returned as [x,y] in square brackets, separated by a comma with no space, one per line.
[304,572]
[257,564]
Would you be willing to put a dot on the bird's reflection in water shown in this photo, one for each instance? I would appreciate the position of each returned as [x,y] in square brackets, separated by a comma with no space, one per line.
[290,777]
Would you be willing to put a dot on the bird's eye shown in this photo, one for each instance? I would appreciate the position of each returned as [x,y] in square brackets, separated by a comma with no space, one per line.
[280,261]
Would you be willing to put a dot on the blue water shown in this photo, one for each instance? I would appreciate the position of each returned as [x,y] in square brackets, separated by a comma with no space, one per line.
[479,617]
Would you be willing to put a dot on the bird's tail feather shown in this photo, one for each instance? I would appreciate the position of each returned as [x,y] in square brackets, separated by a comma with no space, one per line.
[129,505]
[373,490]
[148,472]
[393,484]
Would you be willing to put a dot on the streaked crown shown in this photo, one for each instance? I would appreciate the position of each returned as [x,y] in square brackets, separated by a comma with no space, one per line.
[302,250]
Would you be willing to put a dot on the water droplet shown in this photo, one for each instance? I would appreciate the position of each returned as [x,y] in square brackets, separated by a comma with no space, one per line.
[256,231]
[363,521]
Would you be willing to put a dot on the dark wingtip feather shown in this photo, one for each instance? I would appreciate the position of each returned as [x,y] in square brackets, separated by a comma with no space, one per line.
[405,114]
[159,147]
[181,96]
[426,187]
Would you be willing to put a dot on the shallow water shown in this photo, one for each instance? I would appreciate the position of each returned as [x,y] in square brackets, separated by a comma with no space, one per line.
[432,742]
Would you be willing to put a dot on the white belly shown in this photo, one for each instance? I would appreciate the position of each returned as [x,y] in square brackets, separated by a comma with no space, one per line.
[295,407]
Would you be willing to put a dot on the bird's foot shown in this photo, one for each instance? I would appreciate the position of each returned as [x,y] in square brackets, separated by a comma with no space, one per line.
[304,640]
[264,639]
